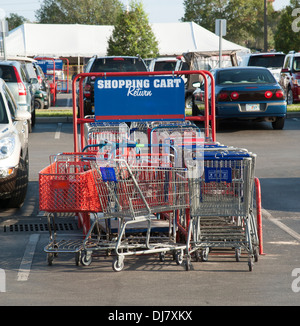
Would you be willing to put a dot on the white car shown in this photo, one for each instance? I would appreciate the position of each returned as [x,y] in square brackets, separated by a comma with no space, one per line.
[14,161]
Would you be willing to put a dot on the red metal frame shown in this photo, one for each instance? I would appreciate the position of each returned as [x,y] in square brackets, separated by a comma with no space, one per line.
[259,215]
[206,118]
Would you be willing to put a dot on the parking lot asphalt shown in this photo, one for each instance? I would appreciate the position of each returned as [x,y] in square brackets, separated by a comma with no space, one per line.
[145,280]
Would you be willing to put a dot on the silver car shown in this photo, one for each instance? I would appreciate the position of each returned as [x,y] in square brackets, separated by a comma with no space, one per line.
[13,73]
[14,161]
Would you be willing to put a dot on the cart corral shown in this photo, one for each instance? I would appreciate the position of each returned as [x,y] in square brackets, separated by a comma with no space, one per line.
[144,178]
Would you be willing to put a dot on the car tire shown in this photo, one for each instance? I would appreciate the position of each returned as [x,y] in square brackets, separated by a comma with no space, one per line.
[18,195]
[38,104]
[289,97]
[278,124]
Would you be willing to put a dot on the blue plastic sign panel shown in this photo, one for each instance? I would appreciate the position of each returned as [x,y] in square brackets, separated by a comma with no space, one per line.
[218,175]
[48,65]
[136,98]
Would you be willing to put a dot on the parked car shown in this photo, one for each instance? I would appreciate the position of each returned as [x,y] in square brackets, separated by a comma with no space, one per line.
[42,96]
[290,77]
[174,64]
[250,93]
[166,64]
[271,60]
[13,73]
[107,64]
[14,161]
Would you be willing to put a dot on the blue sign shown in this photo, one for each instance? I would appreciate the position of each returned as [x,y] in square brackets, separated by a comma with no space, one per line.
[218,175]
[135,98]
[48,65]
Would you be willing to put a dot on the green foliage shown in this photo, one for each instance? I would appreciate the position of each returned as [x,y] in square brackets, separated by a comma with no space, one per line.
[245,19]
[14,20]
[132,34]
[88,12]
[287,39]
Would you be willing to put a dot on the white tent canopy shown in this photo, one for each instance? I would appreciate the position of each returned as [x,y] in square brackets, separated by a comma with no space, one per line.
[73,40]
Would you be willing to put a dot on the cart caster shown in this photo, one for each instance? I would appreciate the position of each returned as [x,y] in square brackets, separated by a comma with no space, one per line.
[197,256]
[77,257]
[162,256]
[50,257]
[188,264]
[204,254]
[237,254]
[179,258]
[256,254]
[250,265]
[118,265]
[86,258]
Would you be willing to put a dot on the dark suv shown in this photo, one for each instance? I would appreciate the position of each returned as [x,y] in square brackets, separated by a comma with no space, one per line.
[107,64]
[290,77]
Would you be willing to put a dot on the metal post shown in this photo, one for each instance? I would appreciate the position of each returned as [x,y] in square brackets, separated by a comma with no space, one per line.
[220,44]
[3,38]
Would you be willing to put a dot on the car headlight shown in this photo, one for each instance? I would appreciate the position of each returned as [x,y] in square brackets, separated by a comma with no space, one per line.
[7,146]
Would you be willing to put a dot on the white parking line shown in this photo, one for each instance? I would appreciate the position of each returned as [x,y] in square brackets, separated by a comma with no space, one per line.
[25,266]
[58,130]
[282,226]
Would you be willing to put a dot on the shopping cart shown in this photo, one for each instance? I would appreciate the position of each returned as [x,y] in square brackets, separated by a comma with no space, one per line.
[221,205]
[67,186]
[135,194]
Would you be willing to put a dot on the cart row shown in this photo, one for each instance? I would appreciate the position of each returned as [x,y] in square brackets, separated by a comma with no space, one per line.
[152,188]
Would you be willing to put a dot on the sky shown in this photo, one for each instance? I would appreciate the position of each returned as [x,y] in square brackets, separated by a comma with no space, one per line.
[159,11]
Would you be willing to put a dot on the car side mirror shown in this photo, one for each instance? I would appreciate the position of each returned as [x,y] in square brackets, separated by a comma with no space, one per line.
[34,80]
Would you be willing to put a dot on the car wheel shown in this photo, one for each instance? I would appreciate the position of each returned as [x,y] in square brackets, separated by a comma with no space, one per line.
[19,193]
[38,104]
[290,99]
[278,124]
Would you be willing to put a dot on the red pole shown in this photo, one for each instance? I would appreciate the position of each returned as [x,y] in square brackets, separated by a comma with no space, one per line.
[259,215]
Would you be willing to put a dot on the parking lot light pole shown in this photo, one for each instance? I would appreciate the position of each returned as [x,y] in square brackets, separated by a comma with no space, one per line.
[3,31]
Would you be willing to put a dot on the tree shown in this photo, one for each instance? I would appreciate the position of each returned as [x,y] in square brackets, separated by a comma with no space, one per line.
[244,18]
[287,36]
[132,34]
[14,20]
[90,12]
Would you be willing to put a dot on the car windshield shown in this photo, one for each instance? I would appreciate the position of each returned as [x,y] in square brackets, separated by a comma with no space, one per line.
[244,76]
[3,113]
[117,65]
[165,66]
[267,60]
[7,73]
[296,64]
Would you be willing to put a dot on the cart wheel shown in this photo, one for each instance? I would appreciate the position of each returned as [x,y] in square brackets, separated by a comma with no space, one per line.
[162,256]
[50,257]
[250,265]
[77,257]
[117,265]
[237,254]
[188,264]
[204,254]
[197,256]
[256,254]
[179,258]
[86,258]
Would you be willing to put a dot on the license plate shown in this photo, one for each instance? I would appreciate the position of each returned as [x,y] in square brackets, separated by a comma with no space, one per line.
[252,107]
